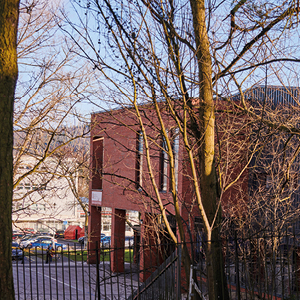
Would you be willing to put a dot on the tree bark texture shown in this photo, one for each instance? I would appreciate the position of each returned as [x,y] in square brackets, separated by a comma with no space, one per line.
[9,12]
[208,183]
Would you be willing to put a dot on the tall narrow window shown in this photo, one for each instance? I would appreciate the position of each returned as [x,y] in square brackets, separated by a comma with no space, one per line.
[175,155]
[97,163]
[163,166]
[175,150]
[139,160]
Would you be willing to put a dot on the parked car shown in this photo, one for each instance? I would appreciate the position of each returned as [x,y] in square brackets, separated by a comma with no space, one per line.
[81,240]
[28,230]
[30,239]
[24,240]
[105,242]
[60,234]
[43,233]
[43,243]
[17,236]
[16,252]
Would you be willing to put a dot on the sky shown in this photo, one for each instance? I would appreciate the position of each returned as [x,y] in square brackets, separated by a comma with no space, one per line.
[41,53]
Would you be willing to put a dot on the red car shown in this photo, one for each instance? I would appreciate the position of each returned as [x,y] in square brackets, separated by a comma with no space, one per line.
[17,236]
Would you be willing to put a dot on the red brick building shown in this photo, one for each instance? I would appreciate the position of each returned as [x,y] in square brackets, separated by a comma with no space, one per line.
[121,180]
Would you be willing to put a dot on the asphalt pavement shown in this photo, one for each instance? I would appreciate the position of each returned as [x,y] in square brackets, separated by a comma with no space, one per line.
[67,279]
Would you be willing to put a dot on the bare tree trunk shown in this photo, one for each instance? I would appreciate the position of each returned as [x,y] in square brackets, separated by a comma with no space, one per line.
[9,10]
[208,184]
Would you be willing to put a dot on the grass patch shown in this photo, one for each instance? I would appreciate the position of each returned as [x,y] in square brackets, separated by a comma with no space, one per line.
[128,255]
[79,255]
[104,255]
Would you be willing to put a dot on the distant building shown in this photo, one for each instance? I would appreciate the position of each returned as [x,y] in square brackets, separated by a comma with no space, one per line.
[106,217]
[43,200]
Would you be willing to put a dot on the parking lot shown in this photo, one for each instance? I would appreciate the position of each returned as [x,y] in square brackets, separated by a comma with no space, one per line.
[67,279]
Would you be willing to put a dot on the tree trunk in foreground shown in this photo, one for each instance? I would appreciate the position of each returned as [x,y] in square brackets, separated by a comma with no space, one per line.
[9,10]
[208,184]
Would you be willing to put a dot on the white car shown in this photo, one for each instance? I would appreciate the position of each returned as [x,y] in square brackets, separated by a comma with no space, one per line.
[44,243]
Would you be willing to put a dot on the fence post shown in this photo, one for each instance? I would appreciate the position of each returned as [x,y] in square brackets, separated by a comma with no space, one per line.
[296,263]
[97,268]
[237,272]
[178,271]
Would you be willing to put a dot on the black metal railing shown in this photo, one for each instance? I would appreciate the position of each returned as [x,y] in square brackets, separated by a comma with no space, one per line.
[264,266]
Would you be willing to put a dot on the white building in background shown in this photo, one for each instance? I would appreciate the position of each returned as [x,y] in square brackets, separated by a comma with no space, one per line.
[43,200]
[131,216]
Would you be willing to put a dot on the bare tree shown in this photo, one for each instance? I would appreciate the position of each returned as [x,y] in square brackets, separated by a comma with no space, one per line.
[194,61]
[273,191]
[9,12]
[74,167]
[51,86]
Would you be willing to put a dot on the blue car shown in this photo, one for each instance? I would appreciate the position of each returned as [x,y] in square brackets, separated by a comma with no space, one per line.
[44,243]
[105,242]
[81,240]
[17,253]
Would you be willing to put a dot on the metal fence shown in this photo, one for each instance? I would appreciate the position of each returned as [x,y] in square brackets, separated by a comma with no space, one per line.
[164,282]
[69,276]
[266,267]
[256,267]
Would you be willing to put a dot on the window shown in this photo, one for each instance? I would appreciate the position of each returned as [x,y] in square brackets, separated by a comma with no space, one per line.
[139,160]
[97,163]
[163,166]
[175,150]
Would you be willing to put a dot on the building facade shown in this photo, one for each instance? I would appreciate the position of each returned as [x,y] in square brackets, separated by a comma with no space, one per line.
[43,201]
[131,173]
